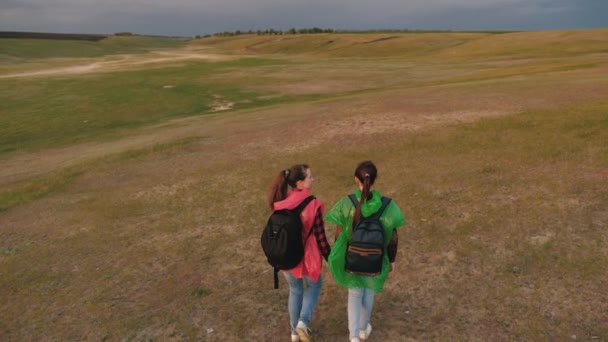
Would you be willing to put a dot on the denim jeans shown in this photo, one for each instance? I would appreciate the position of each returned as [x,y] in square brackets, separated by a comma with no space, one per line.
[302,300]
[360,304]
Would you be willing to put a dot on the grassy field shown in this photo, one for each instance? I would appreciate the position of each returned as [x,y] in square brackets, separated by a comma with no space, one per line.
[132,198]
[24,50]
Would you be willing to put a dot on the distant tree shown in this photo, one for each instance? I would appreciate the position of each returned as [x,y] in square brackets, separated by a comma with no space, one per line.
[293,30]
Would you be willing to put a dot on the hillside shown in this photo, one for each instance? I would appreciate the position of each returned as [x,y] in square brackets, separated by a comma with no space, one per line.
[419,45]
[16,50]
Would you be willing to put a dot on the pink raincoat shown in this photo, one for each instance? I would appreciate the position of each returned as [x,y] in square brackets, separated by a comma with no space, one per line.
[310,265]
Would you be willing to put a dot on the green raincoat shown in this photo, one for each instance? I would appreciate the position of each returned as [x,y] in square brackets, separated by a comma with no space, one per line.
[342,215]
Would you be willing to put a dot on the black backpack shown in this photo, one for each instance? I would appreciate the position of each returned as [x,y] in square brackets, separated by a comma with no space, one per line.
[282,239]
[365,250]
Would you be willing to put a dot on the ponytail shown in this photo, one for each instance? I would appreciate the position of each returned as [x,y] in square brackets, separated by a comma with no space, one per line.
[285,179]
[366,173]
[278,189]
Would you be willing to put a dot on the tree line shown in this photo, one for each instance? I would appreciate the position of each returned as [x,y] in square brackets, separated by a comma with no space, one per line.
[57,36]
[270,32]
[316,30]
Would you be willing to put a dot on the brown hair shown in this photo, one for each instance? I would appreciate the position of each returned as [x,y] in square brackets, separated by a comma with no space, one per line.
[278,189]
[366,173]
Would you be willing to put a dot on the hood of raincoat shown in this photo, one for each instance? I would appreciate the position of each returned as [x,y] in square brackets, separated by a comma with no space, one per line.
[294,198]
[372,205]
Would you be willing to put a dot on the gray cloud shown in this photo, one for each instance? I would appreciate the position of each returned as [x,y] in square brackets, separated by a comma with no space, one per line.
[190,17]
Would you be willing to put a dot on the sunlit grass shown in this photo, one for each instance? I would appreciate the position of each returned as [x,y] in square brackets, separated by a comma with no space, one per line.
[456,45]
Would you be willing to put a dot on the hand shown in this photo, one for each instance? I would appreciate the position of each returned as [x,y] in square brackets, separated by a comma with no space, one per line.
[391,267]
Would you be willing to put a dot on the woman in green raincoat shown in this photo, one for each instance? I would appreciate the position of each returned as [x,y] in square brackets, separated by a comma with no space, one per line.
[345,215]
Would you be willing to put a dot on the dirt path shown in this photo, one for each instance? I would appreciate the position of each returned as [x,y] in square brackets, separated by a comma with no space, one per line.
[122,62]
[241,132]
[244,132]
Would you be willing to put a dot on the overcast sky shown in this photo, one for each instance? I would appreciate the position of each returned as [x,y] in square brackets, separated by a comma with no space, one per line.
[199,17]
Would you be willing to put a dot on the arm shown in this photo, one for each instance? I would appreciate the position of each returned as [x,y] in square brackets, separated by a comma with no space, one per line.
[392,247]
[318,229]
[338,232]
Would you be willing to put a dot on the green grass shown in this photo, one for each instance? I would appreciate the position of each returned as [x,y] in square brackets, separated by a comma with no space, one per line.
[27,50]
[58,111]
[30,190]
[50,112]
[27,191]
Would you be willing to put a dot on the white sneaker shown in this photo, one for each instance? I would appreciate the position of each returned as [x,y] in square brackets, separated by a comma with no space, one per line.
[354,339]
[295,338]
[303,332]
[364,334]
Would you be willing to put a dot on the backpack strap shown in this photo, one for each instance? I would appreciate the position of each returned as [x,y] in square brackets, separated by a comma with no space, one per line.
[276,278]
[353,199]
[299,210]
[385,203]
[304,203]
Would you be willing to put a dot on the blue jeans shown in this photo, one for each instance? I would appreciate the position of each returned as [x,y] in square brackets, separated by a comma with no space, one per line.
[360,304]
[302,300]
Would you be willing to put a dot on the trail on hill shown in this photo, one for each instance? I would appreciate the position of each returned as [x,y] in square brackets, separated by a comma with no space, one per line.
[122,62]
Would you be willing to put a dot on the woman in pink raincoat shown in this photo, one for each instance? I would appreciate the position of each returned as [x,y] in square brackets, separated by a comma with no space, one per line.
[302,300]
